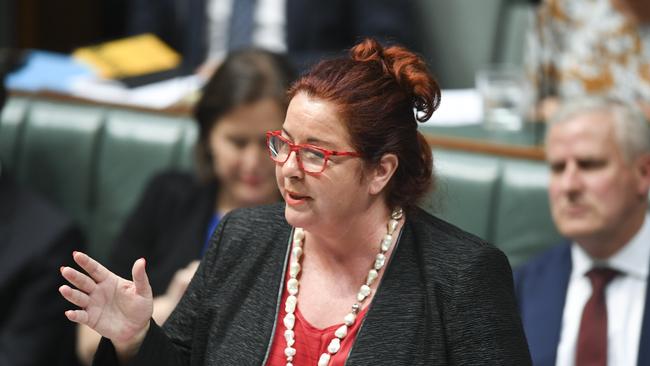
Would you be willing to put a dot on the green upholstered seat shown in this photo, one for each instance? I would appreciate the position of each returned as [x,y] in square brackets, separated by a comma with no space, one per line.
[11,122]
[464,189]
[94,162]
[56,154]
[522,225]
[134,146]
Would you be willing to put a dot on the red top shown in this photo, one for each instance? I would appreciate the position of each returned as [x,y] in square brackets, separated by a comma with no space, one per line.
[311,342]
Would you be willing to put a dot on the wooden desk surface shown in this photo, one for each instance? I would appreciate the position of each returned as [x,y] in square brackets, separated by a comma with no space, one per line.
[524,145]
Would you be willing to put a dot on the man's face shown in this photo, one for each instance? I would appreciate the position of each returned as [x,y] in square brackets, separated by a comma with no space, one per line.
[594,192]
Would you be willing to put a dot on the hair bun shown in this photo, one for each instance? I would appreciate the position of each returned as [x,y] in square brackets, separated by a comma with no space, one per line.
[408,69]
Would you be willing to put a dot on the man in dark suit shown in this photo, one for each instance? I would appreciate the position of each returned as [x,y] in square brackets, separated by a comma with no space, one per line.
[35,239]
[306,30]
[585,302]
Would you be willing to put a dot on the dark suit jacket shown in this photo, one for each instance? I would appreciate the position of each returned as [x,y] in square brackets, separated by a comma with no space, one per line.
[168,228]
[446,299]
[541,287]
[35,240]
[314,28]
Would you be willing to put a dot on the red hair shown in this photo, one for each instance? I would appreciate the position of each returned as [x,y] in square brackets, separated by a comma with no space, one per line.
[381,94]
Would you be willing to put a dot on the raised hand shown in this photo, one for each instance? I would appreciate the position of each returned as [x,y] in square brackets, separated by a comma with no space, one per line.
[116,308]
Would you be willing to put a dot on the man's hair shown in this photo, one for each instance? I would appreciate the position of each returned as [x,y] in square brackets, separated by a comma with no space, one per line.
[630,125]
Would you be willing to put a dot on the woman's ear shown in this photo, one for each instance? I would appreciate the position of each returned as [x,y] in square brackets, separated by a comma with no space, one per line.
[382,173]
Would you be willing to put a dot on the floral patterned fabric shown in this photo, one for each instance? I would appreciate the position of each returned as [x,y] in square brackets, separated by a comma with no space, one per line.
[588,47]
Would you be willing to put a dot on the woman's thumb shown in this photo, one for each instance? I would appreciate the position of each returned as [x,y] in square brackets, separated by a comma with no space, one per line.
[140,279]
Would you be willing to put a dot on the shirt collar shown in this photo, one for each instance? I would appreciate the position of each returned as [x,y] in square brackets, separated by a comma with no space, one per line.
[633,259]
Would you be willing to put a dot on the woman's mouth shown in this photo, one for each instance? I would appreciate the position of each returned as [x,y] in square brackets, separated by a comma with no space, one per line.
[293,198]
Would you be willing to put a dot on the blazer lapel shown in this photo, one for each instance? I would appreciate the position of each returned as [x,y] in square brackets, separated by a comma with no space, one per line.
[399,323]
[545,306]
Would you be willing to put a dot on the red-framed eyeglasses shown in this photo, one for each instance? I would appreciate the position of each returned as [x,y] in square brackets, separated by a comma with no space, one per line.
[311,159]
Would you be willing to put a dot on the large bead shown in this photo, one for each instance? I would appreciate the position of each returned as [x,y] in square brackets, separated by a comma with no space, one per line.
[290,304]
[364,291]
[290,351]
[289,321]
[392,225]
[334,346]
[349,319]
[297,252]
[385,244]
[380,259]
[341,332]
[292,286]
[298,234]
[294,269]
[324,359]
[372,276]
[289,334]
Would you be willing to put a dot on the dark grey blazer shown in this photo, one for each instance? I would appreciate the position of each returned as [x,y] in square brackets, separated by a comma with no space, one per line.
[446,299]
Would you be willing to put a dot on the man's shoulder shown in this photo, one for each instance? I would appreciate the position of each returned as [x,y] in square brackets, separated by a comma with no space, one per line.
[549,258]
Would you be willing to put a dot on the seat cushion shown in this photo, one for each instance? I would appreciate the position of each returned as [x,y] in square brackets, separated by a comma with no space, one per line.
[464,188]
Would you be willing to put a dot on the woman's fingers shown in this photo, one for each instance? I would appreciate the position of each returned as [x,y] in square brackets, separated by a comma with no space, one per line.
[74,296]
[78,279]
[140,279]
[98,272]
[77,316]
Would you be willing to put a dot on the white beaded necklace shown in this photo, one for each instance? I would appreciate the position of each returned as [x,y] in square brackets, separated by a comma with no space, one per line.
[364,292]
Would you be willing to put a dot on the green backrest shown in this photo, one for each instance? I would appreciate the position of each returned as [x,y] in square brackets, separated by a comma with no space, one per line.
[501,200]
[522,220]
[133,148]
[11,124]
[95,162]
[56,154]
[464,189]
[91,161]
[462,36]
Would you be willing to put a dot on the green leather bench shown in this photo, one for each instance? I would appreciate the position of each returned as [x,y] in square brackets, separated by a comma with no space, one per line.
[94,162]
[91,161]
[502,200]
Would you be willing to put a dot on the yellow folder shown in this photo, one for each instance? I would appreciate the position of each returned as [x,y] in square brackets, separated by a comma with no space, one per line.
[131,56]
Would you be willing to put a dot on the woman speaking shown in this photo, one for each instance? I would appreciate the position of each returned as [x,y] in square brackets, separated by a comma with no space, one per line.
[347,270]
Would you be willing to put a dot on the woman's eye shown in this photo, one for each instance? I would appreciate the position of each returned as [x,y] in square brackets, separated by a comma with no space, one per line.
[238,142]
[313,154]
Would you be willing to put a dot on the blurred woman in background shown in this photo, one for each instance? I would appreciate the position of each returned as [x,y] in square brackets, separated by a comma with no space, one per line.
[178,211]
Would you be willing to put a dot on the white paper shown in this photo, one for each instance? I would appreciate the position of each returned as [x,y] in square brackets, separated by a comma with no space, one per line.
[458,107]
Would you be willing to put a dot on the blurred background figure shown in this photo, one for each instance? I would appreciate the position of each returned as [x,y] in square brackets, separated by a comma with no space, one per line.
[34,238]
[590,47]
[204,31]
[585,302]
[172,224]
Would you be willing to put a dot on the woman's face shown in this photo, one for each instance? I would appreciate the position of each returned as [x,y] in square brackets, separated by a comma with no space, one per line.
[240,158]
[340,192]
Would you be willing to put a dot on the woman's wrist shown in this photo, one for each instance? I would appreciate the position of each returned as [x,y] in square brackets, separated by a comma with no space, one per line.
[127,350]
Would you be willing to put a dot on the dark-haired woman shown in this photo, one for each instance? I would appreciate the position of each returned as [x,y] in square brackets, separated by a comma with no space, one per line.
[178,212]
[347,270]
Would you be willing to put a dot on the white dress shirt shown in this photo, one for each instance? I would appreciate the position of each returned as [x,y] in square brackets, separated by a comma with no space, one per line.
[625,297]
[269,22]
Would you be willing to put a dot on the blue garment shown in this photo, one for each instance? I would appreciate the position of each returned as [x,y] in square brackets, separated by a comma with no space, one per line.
[214,221]
[541,287]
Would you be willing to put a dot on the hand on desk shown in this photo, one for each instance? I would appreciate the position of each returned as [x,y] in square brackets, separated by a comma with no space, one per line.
[116,308]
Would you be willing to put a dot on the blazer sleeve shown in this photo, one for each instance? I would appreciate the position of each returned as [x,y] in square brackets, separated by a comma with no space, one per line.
[173,344]
[483,323]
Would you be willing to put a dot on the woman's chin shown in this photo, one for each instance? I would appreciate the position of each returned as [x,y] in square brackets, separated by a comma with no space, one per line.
[298,216]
